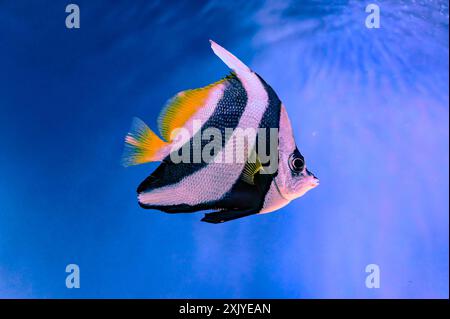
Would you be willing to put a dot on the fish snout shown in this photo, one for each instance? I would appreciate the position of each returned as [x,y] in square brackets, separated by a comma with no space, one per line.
[314,180]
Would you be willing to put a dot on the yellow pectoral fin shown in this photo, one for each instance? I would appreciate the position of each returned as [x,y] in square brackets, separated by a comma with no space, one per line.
[250,169]
[142,145]
[183,106]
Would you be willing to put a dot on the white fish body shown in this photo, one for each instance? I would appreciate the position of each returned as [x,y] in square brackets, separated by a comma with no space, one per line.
[240,101]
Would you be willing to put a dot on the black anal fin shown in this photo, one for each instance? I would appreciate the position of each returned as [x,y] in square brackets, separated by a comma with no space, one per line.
[227,215]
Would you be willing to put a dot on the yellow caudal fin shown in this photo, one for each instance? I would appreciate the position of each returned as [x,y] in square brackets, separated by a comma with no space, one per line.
[183,106]
[142,145]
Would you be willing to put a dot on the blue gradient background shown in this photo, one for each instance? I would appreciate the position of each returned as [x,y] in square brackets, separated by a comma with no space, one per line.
[370,113]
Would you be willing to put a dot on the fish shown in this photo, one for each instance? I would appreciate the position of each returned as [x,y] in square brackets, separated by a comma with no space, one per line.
[228,187]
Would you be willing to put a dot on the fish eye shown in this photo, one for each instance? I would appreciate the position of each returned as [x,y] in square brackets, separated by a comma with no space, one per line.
[296,163]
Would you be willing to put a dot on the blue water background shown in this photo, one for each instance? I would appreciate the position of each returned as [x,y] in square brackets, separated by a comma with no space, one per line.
[370,113]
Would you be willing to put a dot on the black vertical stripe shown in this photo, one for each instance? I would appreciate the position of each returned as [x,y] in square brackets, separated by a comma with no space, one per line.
[227,114]
[270,119]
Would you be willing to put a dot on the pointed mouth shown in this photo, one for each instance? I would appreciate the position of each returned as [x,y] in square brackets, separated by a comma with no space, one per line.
[315,182]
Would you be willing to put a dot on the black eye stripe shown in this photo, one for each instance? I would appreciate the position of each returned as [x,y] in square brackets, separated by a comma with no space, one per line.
[296,162]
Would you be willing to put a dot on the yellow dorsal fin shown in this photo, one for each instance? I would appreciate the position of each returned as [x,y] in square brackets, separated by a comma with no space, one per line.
[250,169]
[183,106]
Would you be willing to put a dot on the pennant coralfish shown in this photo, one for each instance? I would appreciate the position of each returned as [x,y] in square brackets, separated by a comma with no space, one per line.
[185,182]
